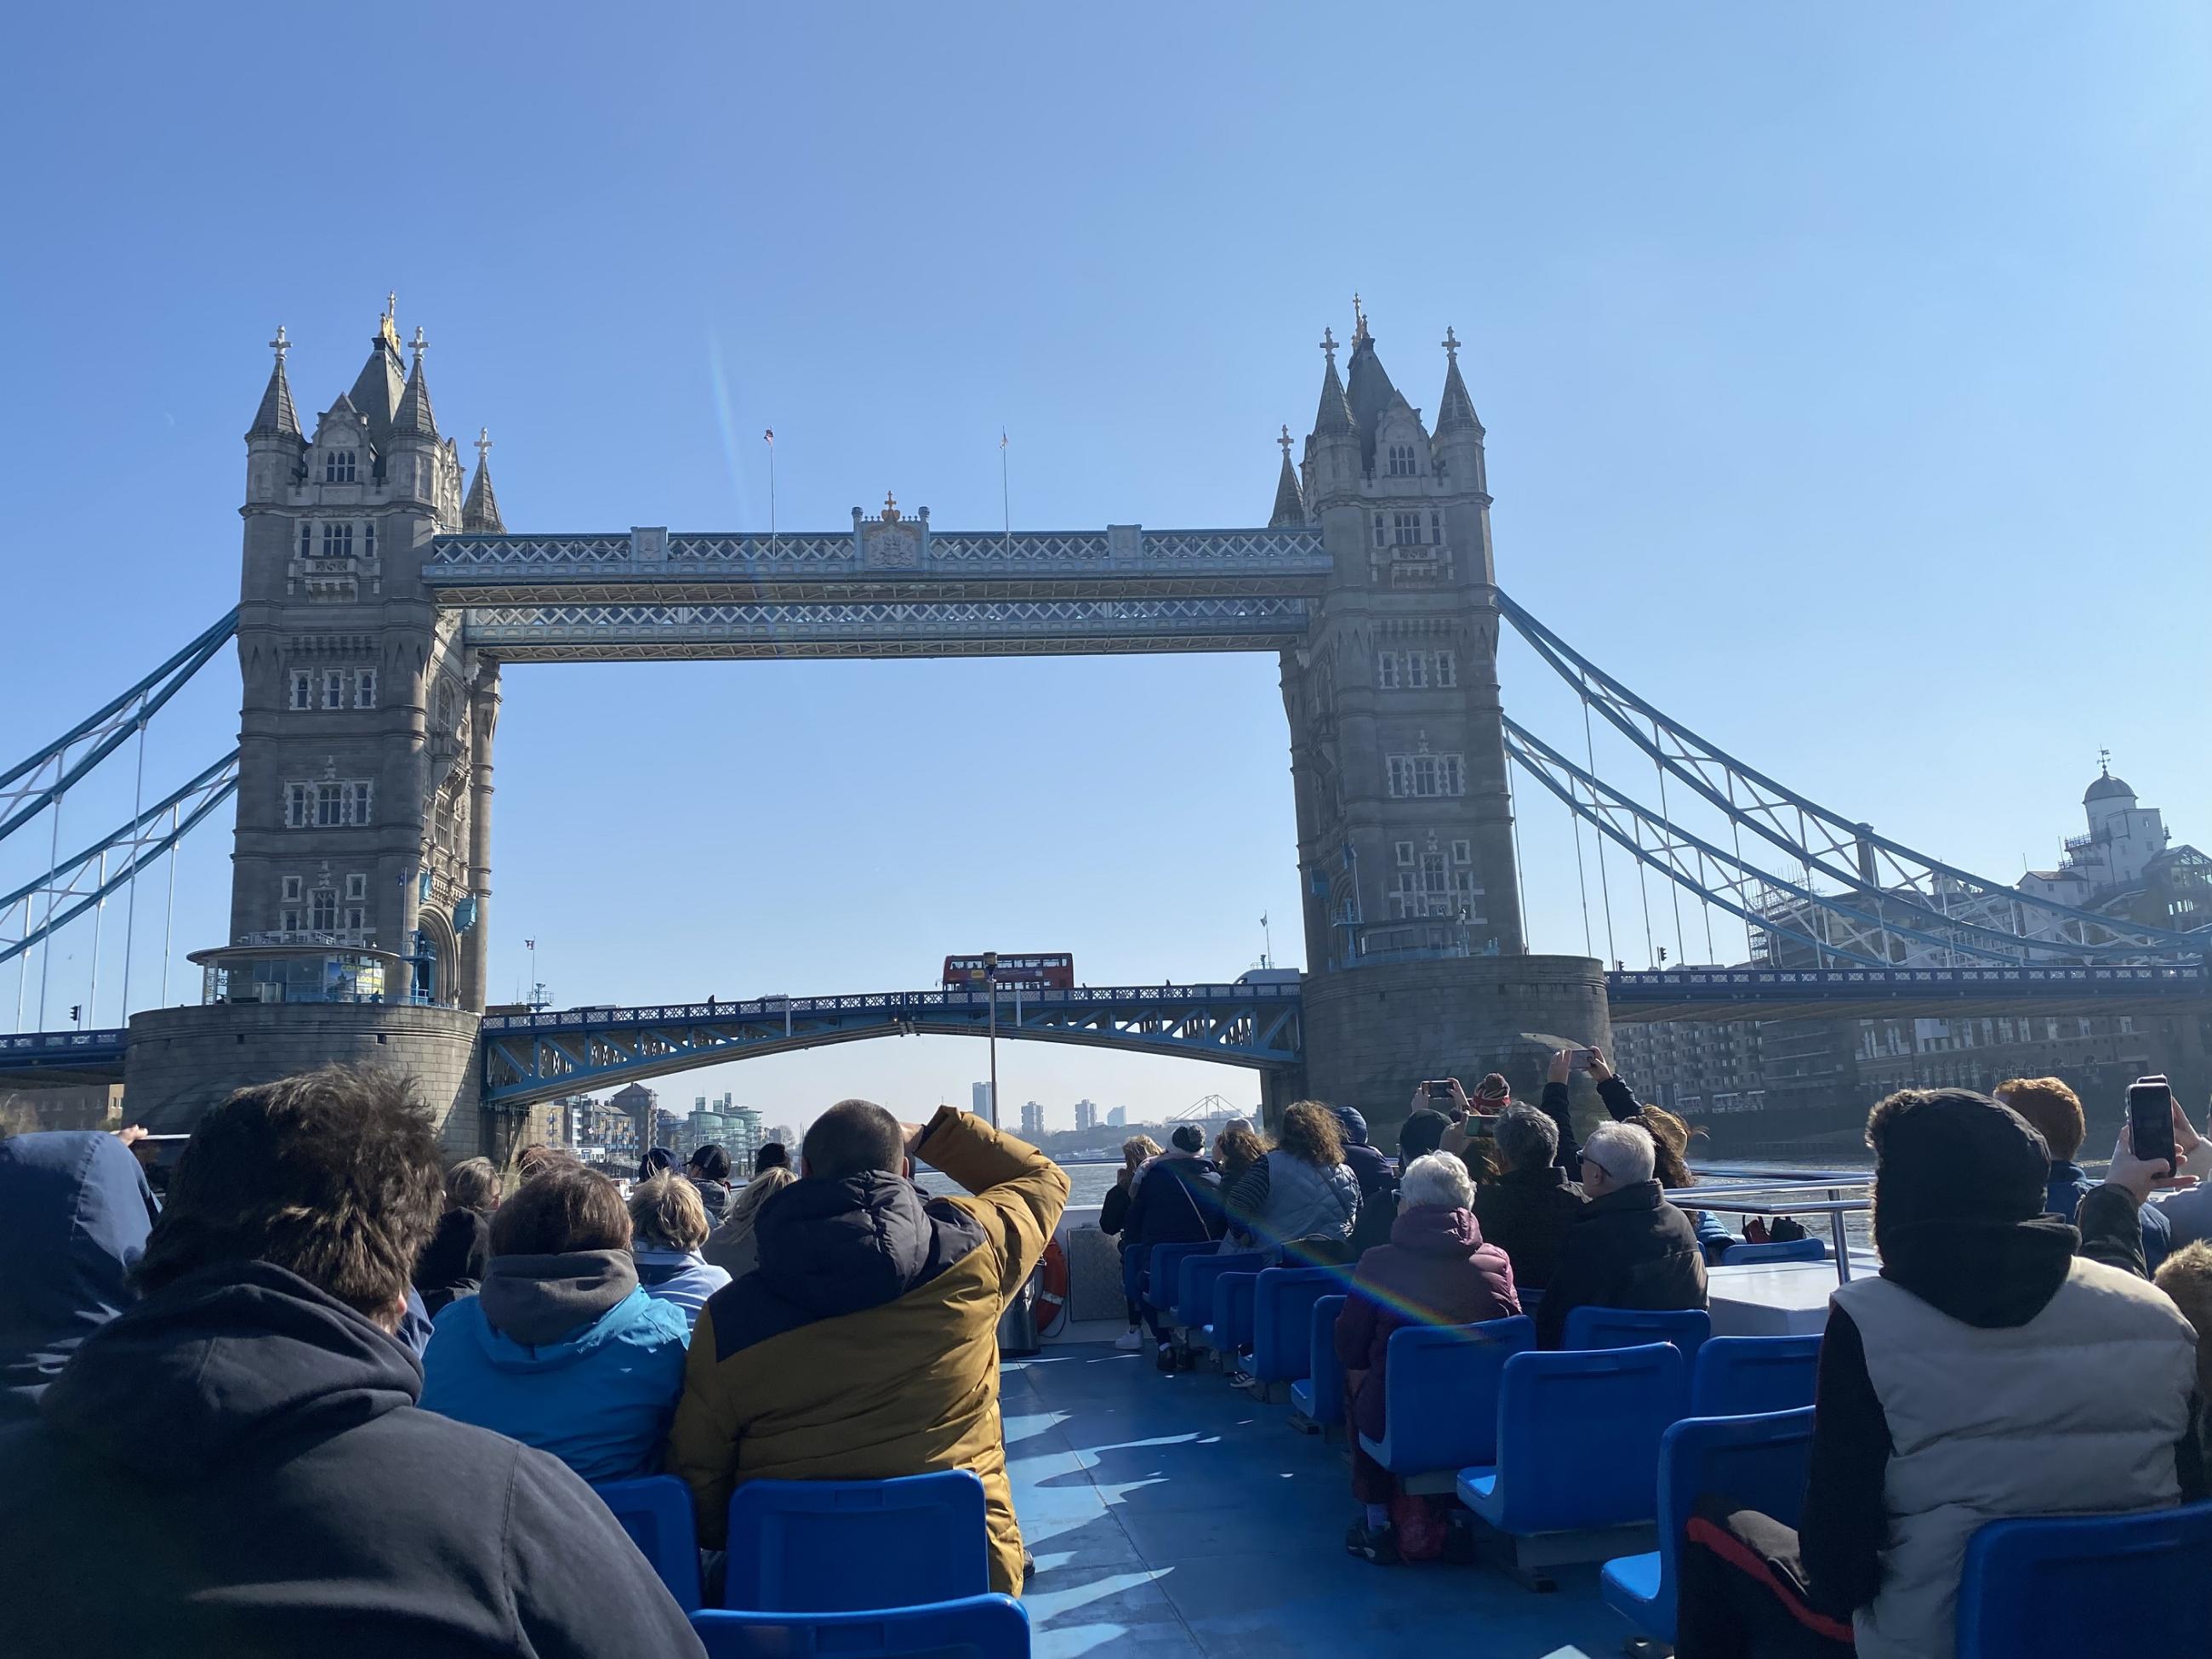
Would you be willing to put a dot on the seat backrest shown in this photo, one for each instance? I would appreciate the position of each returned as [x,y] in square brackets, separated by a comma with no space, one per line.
[1440,1399]
[1193,1300]
[1282,1320]
[1326,1373]
[1233,1297]
[1629,1328]
[1794,1249]
[1166,1271]
[1744,1376]
[1759,1462]
[971,1627]
[1579,1434]
[838,1546]
[656,1513]
[2087,1587]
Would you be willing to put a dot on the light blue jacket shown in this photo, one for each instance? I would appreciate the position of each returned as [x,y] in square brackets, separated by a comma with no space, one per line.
[599,1395]
[682,1278]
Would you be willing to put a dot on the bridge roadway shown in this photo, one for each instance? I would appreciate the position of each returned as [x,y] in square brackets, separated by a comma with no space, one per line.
[528,1057]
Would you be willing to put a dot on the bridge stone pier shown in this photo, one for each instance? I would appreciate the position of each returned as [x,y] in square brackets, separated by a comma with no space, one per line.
[380,599]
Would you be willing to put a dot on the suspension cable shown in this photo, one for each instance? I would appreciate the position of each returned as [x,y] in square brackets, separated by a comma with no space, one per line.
[1604,887]
[1673,892]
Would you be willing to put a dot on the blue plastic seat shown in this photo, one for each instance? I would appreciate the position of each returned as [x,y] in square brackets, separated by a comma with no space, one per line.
[1579,1434]
[1630,1327]
[1745,1375]
[1196,1279]
[1165,1274]
[973,1627]
[842,1546]
[2087,1587]
[656,1513]
[1760,1462]
[1440,1396]
[1794,1249]
[1318,1397]
[1230,1330]
[1282,1320]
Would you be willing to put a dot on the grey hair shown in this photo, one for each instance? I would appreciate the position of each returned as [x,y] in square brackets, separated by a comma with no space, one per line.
[1528,1137]
[1439,1178]
[1622,1151]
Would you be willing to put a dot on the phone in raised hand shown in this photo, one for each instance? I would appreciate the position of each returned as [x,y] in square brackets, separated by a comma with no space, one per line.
[2150,1120]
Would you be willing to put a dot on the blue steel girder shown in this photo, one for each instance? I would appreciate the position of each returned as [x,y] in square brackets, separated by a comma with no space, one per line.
[891,587]
[1642,996]
[529,1057]
[65,1056]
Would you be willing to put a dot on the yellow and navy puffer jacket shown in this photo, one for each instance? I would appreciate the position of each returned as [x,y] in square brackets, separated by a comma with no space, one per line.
[865,1344]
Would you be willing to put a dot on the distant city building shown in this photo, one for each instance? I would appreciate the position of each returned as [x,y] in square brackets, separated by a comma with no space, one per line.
[736,1129]
[1032,1119]
[1086,1116]
[979,1099]
[640,1106]
[784,1135]
[1118,1118]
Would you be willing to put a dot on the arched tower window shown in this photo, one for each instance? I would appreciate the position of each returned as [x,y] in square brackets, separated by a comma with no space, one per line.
[339,467]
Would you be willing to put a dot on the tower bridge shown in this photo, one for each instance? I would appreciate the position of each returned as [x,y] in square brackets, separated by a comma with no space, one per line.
[381,593]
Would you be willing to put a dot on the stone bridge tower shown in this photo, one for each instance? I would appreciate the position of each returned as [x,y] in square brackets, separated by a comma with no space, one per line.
[1417,966]
[362,860]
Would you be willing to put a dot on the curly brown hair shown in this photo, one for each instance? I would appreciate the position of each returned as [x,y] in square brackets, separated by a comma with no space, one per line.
[1237,1149]
[2052,1110]
[1313,1134]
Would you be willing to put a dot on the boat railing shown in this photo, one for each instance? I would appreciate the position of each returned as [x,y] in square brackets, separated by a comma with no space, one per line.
[1790,1195]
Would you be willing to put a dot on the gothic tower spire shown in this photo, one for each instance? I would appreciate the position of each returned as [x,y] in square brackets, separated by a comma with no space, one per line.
[1334,418]
[1455,412]
[277,418]
[1290,500]
[413,417]
[480,513]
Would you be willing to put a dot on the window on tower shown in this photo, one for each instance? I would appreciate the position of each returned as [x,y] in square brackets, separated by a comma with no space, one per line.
[364,687]
[1406,529]
[323,911]
[1404,461]
[339,467]
[338,541]
[306,539]
[303,689]
[334,687]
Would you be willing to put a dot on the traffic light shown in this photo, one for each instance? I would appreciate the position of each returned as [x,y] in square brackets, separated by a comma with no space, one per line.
[76,1013]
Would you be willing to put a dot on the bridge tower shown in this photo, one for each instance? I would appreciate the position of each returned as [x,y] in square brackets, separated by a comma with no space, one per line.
[360,861]
[1418,965]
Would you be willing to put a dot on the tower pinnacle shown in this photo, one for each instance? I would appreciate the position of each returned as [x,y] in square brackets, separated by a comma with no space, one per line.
[1290,500]
[1456,409]
[480,512]
[277,418]
[413,418]
[1334,418]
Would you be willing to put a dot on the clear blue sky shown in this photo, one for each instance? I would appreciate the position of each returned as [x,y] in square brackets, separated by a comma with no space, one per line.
[1846,373]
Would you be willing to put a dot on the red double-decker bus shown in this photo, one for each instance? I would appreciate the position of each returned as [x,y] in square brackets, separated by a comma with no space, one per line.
[1029,970]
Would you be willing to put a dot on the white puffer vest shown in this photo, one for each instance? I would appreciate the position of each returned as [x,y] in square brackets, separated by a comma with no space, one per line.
[2074,1412]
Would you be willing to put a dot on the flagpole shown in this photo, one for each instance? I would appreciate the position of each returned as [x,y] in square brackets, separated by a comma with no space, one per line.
[768,437]
[1006,510]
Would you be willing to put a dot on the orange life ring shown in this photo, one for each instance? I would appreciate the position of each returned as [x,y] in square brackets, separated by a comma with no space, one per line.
[1052,1290]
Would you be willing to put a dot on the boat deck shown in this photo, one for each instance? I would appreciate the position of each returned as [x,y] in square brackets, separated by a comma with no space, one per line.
[1174,1515]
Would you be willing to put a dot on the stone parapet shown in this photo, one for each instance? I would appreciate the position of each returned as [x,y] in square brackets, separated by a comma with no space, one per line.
[1373,1032]
[183,1060]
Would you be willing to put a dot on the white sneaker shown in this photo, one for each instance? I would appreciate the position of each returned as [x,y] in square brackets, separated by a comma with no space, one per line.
[1129,1341]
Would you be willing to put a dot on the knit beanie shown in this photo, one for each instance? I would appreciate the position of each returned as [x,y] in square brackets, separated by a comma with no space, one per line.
[1423,1133]
[1954,1155]
[1492,1093]
[1189,1137]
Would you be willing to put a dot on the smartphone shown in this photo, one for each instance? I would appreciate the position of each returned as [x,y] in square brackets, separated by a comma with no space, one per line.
[2151,1120]
[1582,1059]
[1438,1088]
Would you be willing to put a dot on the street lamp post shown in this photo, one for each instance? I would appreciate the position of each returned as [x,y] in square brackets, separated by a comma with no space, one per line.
[991,974]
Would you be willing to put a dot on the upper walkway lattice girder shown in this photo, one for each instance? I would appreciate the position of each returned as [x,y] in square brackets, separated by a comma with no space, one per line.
[1771,993]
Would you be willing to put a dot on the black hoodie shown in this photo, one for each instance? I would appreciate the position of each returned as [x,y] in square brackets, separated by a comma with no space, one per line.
[236,1466]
